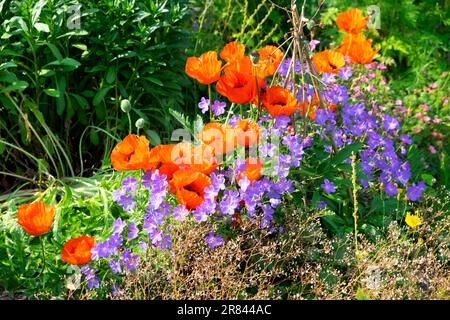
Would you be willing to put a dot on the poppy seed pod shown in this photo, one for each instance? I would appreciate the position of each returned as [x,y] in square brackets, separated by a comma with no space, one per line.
[125,105]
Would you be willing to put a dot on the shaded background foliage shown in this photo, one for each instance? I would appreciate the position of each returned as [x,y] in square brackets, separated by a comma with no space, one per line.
[60,88]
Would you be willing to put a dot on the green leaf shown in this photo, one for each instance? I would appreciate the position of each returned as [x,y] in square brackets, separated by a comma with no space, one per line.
[74,33]
[36,11]
[428,179]
[346,152]
[93,136]
[198,124]
[82,102]
[111,74]
[7,65]
[153,137]
[80,46]
[42,27]
[55,51]
[360,294]
[46,73]
[52,92]
[100,95]
[334,223]
[19,85]
[154,80]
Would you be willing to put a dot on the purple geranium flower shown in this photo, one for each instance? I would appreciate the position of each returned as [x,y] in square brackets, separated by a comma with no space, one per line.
[204,104]
[133,231]
[345,73]
[213,240]
[218,107]
[129,184]
[328,186]
[118,226]
[414,192]
[180,213]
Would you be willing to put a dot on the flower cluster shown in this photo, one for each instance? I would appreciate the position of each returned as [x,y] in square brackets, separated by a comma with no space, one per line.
[354,46]
[240,166]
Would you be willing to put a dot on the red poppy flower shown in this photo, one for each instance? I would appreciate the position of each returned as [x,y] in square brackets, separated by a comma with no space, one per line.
[188,186]
[239,83]
[132,153]
[351,21]
[247,133]
[221,138]
[328,61]
[358,48]
[77,251]
[205,69]
[279,101]
[232,51]
[36,218]
[269,59]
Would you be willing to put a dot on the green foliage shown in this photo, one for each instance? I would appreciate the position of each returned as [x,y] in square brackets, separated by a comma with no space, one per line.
[413,36]
[57,79]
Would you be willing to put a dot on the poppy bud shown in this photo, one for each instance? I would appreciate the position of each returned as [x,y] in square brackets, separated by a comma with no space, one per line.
[125,105]
[140,123]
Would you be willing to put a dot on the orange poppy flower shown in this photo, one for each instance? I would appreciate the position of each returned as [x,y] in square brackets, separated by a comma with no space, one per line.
[328,61]
[221,138]
[198,158]
[188,186]
[232,51]
[279,101]
[269,59]
[247,133]
[36,218]
[77,251]
[238,83]
[132,153]
[161,158]
[205,69]
[351,21]
[358,48]
[253,170]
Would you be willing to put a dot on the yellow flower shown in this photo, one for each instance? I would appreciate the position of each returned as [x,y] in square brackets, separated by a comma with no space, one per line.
[412,221]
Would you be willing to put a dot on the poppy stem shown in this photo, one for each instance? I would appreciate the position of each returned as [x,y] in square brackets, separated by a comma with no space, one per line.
[43,253]
[210,103]
[129,122]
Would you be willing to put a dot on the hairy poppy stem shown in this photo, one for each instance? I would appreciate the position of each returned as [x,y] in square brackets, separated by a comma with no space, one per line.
[129,123]
[210,103]
[43,253]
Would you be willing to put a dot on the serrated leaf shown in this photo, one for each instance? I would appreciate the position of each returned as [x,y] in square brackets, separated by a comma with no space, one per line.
[52,92]
[198,124]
